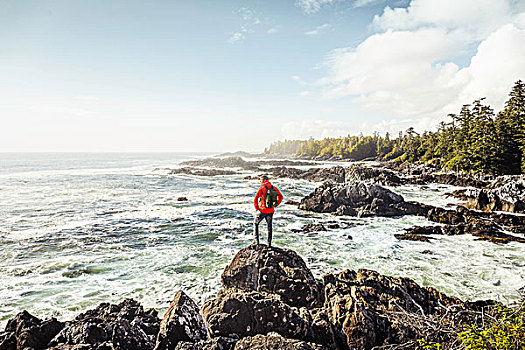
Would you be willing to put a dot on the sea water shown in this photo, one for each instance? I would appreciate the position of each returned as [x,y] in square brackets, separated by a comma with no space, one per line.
[80,229]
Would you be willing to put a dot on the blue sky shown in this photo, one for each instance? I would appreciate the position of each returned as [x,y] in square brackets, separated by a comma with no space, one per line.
[239,74]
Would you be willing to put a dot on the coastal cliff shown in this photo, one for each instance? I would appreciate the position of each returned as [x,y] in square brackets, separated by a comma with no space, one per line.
[270,300]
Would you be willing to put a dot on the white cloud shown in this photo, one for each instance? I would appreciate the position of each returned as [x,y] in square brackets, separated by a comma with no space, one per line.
[299,80]
[409,70]
[274,29]
[363,3]
[305,93]
[319,29]
[238,36]
[312,6]
[473,19]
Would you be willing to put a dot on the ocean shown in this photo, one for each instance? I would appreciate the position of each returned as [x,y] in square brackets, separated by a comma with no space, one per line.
[78,229]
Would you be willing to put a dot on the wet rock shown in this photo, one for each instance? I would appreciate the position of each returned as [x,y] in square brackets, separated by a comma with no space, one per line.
[27,331]
[238,162]
[335,174]
[274,341]
[356,199]
[310,228]
[380,176]
[291,202]
[218,343]
[182,199]
[412,237]
[273,270]
[201,172]
[107,323]
[454,179]
[129,336]
[182,322]
[237,314]
[508,197]
[363,305]
[425,230]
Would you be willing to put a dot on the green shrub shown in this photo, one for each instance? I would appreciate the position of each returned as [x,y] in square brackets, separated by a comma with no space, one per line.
[505,330]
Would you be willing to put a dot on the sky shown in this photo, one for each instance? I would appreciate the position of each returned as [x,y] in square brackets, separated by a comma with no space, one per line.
[208,75]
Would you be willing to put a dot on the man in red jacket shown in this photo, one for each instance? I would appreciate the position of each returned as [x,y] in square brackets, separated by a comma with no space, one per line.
[263,198]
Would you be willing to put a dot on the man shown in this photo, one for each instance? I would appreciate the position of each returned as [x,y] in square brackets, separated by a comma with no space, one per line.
[266,199]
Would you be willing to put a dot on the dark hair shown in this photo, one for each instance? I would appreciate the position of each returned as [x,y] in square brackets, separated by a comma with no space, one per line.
[264,178]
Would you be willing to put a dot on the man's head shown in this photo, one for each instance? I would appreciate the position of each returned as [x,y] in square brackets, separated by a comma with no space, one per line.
[264,178]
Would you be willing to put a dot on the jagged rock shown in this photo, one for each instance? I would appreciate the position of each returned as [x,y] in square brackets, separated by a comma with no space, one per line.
[380,176]
[355,198]
[106,324]
[273,270]
[424,230]
[508,197]
[182,322]
[291,202]
[336,174]
[237,314]
[412,237]
[363,306]
[201,172]
[26,331]
[238,162]
[218,343]
[454,179]
[273,341]
[182,199]
[310,228]
[129,336]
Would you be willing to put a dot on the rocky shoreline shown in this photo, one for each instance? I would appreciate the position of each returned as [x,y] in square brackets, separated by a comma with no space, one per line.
[270,300]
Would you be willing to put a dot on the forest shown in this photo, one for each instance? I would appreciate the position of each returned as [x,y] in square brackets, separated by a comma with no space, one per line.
[476,140]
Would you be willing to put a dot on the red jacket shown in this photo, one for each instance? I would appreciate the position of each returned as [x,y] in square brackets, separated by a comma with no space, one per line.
[260,198]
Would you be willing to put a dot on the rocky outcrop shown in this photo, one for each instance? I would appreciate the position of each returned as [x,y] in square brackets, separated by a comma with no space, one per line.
[308,228]
[357,199]
[379,176]
[201,172]
[238,162]
[412,237]
[273,270]
[454,179]
[182,322]
[508,197]
[255,310]
[26,331]
[274,341]
[123,326]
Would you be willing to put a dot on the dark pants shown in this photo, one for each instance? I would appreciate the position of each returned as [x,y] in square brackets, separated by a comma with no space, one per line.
[258,218]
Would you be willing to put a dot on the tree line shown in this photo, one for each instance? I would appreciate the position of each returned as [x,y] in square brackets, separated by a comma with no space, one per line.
[475,140]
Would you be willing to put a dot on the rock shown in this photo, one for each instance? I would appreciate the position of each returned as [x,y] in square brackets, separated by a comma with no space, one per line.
[273,341]
[129,336]
[108,324]
[310,228]
[454,179]
[365,305]
[508,197]
[355,198]
[238,162]
[218,343]
[272,270]
[182,322]
[412,237]
[335,174]
[27,331]
[201,172]
[291,202]
[237,314]
[182,199]
[424,230]
[380,176]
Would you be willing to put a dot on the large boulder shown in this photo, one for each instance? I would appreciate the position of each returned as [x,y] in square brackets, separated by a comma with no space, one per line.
[365,307]
[274,341]
[27,331]
[508,197]
[355,198]
[272,270]
[111,325]
[182,322]
[218,343]
[236,313]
